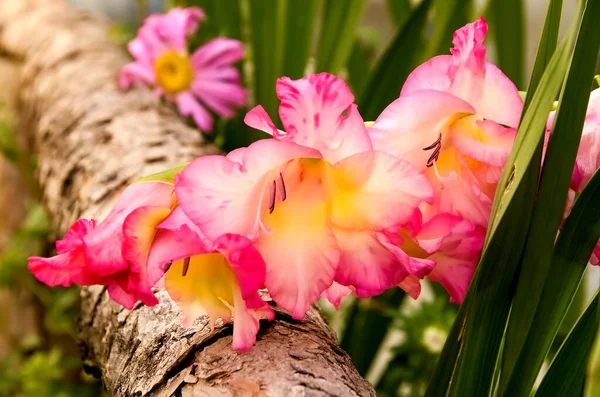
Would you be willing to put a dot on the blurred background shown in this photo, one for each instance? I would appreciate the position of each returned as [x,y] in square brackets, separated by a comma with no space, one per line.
[374,44]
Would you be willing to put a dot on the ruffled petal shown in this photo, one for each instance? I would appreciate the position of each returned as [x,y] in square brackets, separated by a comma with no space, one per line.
[467,75]
[483,140]
[457,256]
[227,194]
[246,322]
[63,269]
[103,245]
[336,293]
[366,264]
[73,239]
[312,111]
[174,26]
[414,122]
[375,191]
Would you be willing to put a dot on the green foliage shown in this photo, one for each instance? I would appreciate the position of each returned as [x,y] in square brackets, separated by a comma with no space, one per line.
[423,331]
[507,17]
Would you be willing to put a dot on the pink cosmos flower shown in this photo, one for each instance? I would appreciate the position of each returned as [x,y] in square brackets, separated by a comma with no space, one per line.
[316,200]
[204,79]
[115,252]
[219,279]
[455,120]
[588,156]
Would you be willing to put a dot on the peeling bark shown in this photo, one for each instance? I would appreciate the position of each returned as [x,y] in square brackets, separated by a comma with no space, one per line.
[92,140]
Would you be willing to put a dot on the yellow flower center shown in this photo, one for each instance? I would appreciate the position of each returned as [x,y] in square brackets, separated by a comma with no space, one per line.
[174,72]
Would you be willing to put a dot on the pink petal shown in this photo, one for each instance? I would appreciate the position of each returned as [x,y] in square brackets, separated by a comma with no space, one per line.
[174,27]
[299,249]
[366,263]
[135,73]
[246,322]
[317,111]
[63,269]
[375,190]
[483,140]
[220,96]
[189,106]
[225,194]
[245,261]
[467,75]
[415,121]
[457,256]
[336,293]
[217,53]
[122,297]
[412,286]
[258,118]
[103,245]
[73,239]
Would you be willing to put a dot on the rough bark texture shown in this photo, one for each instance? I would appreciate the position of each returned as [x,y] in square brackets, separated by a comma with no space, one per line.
[92,140]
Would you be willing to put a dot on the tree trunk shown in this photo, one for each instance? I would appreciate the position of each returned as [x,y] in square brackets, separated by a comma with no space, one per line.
[92,140]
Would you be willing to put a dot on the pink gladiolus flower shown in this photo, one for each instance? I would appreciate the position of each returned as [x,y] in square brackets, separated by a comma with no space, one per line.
[318,211]
[455,120]
[115,252]
[219,279]
[204,79]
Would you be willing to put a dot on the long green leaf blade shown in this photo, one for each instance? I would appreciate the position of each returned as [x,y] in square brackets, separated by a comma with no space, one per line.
[395,65]
[300,27]
[573,249]
[268,27]
[546,49]
[340,22]
[400,10]
[223,18]
[554,184]
[566,374]
[508,21]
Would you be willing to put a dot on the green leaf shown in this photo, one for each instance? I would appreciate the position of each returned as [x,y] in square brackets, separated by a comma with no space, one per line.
[566,374]
[340,22]
[490,292]
[449,15]
[574,247]
[547,45]
[400,10]
[167,176]
[508,21]
[402,56]
[360,62]
[366,327]
[300,27]
[554,184]
[268,27]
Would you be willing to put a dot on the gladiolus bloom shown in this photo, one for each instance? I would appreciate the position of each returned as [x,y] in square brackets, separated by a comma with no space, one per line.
[204,79]
[115,252]
[318,211]
[455,120]
[219,279]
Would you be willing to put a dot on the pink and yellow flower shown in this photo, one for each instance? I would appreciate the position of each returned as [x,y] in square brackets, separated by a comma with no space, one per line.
[316,200]
[204,79]
[115,252]
[455,120]
[219,279]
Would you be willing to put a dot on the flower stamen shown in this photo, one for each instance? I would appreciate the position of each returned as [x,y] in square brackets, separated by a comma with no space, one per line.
[186,265]
[437,148]
[283,191]
[273,197]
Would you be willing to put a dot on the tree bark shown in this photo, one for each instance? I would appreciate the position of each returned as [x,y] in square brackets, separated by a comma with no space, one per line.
[92,140]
